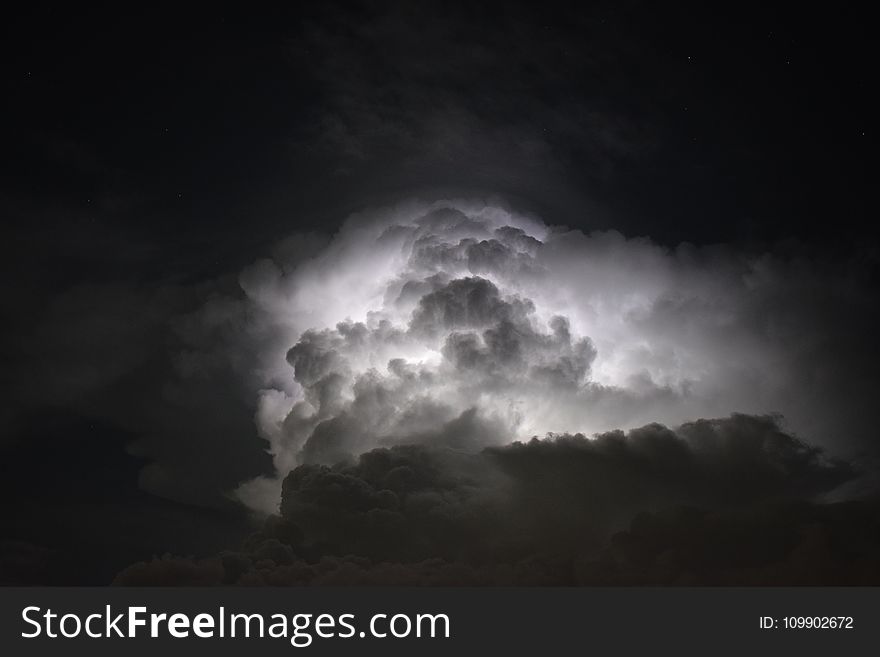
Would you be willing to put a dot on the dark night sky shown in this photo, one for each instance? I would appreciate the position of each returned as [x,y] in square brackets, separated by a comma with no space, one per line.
[156,149]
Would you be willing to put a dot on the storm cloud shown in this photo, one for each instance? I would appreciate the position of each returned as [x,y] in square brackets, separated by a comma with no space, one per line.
[465,324]
[460,324]
[519,293]
[716,501]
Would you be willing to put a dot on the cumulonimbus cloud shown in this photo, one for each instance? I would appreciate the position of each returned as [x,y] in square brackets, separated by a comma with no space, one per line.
[465,325]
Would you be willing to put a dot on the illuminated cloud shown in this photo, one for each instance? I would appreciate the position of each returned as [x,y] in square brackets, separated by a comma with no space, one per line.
[466,325]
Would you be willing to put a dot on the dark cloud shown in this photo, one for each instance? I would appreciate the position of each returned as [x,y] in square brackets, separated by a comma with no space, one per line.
[782,544]
[158,364]
[554,510]
[556,494]
[787,544]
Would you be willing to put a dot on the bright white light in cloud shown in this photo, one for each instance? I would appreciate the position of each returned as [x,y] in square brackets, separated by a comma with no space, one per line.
[464,324]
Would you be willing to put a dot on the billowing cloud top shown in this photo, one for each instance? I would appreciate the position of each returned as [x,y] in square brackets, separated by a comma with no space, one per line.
[464,325]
